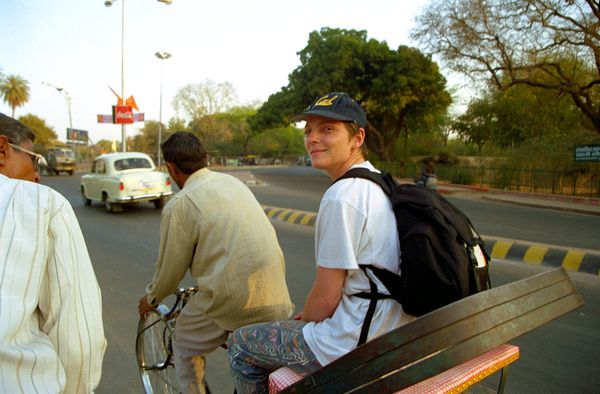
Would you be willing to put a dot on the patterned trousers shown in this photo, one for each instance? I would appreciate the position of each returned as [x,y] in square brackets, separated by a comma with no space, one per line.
[257,350]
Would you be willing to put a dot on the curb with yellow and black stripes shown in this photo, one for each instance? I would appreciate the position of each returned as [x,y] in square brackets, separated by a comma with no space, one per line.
[570,259]
[579,260]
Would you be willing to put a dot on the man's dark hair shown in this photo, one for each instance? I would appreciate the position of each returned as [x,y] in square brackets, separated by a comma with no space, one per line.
[15,131]
[186,151]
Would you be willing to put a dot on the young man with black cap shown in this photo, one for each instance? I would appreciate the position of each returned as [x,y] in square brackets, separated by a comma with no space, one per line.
[355,225]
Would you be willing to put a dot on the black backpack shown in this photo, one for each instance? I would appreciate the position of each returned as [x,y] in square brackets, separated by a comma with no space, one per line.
[443,259]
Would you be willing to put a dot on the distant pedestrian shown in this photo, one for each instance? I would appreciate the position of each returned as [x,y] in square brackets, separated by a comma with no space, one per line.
[428,178]
[51,332]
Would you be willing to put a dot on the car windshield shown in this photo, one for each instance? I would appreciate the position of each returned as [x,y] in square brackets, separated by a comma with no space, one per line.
[68,153]
[132,163]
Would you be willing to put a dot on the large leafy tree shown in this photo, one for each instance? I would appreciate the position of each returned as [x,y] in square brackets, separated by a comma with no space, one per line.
[15,91]
[146,140]
[278,142]
[44,134]
[520,113]
[196,100]
[549,44]
[235,121]
[400,89]
[104,146]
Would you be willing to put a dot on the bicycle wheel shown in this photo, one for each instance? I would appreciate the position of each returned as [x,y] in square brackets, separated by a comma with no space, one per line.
[154,356]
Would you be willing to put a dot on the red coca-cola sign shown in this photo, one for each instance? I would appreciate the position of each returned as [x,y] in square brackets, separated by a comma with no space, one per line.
[122,114]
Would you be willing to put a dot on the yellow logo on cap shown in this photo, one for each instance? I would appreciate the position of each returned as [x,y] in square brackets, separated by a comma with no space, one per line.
[325,101]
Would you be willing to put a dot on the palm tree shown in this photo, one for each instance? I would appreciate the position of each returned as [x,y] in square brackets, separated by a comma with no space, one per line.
[15,91]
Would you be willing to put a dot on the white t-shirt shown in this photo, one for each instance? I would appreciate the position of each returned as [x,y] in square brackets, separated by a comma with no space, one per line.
[355,225]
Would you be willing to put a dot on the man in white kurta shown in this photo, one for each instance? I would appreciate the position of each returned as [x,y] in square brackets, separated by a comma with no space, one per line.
[51,334]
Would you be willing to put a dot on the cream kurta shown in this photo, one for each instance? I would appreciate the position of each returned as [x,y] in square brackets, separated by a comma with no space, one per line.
[215,228]
[51,334]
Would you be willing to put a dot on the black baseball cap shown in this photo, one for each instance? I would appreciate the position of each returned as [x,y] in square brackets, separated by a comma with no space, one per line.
[338,106]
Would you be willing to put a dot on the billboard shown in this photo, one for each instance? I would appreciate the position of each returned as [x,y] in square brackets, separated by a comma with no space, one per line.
[137,117]
[587,153]
[75,136]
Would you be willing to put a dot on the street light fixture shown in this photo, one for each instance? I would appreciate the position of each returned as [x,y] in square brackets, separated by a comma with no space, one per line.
[161,56]
[67,97]
[109,3]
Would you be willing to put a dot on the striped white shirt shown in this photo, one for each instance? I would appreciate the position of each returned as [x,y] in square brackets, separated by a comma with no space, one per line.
[51,333]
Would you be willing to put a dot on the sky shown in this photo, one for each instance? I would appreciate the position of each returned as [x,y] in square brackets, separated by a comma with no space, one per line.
[76,45]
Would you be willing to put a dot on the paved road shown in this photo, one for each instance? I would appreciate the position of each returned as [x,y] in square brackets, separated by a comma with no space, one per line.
[561,357]
[302,187]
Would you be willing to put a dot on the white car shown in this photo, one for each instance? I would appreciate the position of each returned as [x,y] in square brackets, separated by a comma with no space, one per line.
[124,178]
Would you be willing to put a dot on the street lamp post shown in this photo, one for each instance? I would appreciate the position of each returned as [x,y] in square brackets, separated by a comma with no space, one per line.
[67,97]
[109,3]
[161,56]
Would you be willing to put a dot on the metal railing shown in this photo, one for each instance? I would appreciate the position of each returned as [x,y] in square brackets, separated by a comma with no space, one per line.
[574,182]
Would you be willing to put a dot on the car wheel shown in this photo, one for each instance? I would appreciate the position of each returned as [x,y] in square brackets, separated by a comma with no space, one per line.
[110,206]
[159,203]
[86,201]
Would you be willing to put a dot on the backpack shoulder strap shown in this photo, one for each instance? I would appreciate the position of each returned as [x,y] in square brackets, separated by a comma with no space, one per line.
[384,180]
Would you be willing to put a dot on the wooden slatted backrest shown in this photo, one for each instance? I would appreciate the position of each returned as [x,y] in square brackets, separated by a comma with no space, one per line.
[447,337]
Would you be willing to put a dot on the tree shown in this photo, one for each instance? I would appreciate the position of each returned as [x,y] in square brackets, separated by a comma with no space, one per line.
[103,146]
[520,113]
[236,121]
[549,44]
[177,124]
[200,99]
[15,91]
[398,89]
[279,142]
[211,129]
[476,125]
[147,139]
[44,134]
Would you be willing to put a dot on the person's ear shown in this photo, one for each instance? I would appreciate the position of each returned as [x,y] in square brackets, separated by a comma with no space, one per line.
[172,168]
[359,138]
[3,149]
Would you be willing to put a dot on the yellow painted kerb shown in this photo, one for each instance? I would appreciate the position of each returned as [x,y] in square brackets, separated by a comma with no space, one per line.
[272,212]
[283,213]
[535,254]
[573,260]
[307,218]
[500,249]
[293,217]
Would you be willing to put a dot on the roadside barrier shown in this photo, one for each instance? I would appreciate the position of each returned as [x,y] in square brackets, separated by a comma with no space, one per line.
[580,260]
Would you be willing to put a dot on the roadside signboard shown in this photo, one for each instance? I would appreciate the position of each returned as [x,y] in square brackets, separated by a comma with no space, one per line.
[137,117]
[75,136]
[587,153]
